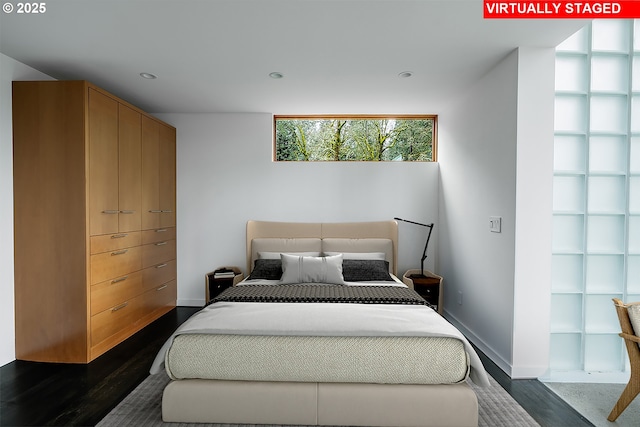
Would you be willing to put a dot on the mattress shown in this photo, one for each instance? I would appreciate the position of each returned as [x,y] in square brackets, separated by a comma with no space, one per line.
[383,360]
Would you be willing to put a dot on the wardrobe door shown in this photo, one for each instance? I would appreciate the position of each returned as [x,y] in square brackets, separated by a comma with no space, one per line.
[167,176]
[129,169]
[103,164]
[151,209]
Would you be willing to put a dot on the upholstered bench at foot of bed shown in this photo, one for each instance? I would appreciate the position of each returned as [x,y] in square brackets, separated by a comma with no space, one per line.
[249,402]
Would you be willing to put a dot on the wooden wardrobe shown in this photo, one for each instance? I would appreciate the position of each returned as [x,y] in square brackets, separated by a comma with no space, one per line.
[94,220]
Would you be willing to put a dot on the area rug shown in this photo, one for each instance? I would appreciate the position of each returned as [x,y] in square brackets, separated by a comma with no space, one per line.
[595,401]
[142,408]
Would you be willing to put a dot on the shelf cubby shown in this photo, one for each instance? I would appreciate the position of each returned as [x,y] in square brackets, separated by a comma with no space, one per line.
[566,352]
[570,153]
[607,154]
[567,273]
[568,236]
[605,234]
[566,312]
[568,193]
[605,274]
[603,353]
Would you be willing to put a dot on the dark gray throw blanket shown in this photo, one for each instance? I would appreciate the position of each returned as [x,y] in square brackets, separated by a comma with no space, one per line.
[322,293]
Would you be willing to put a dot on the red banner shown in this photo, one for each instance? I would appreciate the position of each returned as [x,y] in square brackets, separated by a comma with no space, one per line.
[518,9]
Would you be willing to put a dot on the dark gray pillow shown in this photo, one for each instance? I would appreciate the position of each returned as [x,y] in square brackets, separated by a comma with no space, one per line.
[365,270]
[267,269]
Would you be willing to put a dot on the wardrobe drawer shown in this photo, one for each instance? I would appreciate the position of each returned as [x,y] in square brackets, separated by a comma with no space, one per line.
[158,235]
[158,274]
[157,253]
[112,242]
[115,319]
[114,264]
[162,296]
[115,291]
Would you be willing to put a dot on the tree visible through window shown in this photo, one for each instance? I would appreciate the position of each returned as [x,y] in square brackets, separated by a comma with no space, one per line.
[361,138]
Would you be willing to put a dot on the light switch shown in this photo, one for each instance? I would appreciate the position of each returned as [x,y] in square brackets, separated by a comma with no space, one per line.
[495,224]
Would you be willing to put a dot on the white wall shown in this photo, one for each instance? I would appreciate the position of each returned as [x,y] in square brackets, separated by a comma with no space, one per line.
[226,177]
[496,160]
[477,163]
[10,70]
[534,208]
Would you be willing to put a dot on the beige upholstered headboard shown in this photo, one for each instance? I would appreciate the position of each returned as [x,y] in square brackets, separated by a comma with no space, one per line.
[322,230]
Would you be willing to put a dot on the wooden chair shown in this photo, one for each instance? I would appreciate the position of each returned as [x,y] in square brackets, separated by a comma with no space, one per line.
[632,341]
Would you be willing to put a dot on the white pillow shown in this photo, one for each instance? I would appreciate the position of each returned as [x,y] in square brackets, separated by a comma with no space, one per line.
[306,269]
[276,255]
[358,255]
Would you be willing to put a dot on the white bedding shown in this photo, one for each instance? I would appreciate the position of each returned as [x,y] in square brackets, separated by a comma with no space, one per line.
[322,319]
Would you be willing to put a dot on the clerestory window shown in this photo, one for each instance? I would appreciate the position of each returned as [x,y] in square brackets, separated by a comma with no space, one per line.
[355,138]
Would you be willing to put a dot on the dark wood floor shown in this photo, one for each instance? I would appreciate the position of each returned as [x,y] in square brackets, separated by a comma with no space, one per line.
[542,404]
[46,394]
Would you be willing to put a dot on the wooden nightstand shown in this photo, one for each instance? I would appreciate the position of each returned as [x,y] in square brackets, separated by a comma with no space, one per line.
[429,287]
[221,279]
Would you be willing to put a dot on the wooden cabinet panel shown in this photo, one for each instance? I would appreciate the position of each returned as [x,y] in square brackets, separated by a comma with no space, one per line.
[129,169]
[158,275]
[112,292]
[110,322]
[158,235]
[103,163]
[167,176]
[158,175]
[151,209]
[157,253]
[111,265]
[162,296]
[112,242]
[50,261]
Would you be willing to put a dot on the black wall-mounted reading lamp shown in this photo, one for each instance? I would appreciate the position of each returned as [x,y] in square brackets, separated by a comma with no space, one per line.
[424,253]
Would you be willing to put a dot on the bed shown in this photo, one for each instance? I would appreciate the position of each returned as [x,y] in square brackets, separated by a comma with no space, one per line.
[321,332]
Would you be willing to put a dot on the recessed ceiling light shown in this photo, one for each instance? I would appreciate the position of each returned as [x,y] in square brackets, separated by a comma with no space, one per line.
[276,75]
[405,74]
[148,76]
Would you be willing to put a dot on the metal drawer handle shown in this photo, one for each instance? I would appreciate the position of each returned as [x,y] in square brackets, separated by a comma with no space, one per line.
[161,287]
[166,211]
[120,307]
[119,236]
[127,212]
[161,244]
[161,230]
[155,211]
[161,265]
[124,251]
[119,279]
[110,211]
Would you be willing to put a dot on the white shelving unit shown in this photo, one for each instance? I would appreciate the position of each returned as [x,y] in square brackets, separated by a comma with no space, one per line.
[596,220]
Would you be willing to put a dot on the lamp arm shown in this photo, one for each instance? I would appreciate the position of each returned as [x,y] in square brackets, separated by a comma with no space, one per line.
[413,222]
[426,245]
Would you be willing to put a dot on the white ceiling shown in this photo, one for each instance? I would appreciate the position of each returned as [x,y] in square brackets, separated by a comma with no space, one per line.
[337,56]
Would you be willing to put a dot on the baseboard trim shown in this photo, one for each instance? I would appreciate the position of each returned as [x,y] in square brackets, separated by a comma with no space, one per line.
[190,302]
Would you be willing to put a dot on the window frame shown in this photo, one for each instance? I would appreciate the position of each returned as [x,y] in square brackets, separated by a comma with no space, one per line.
[434,143]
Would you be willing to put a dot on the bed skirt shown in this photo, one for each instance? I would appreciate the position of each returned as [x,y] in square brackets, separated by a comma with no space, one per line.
[298,403]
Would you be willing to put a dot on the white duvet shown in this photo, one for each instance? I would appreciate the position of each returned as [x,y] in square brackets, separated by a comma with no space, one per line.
[322,319]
